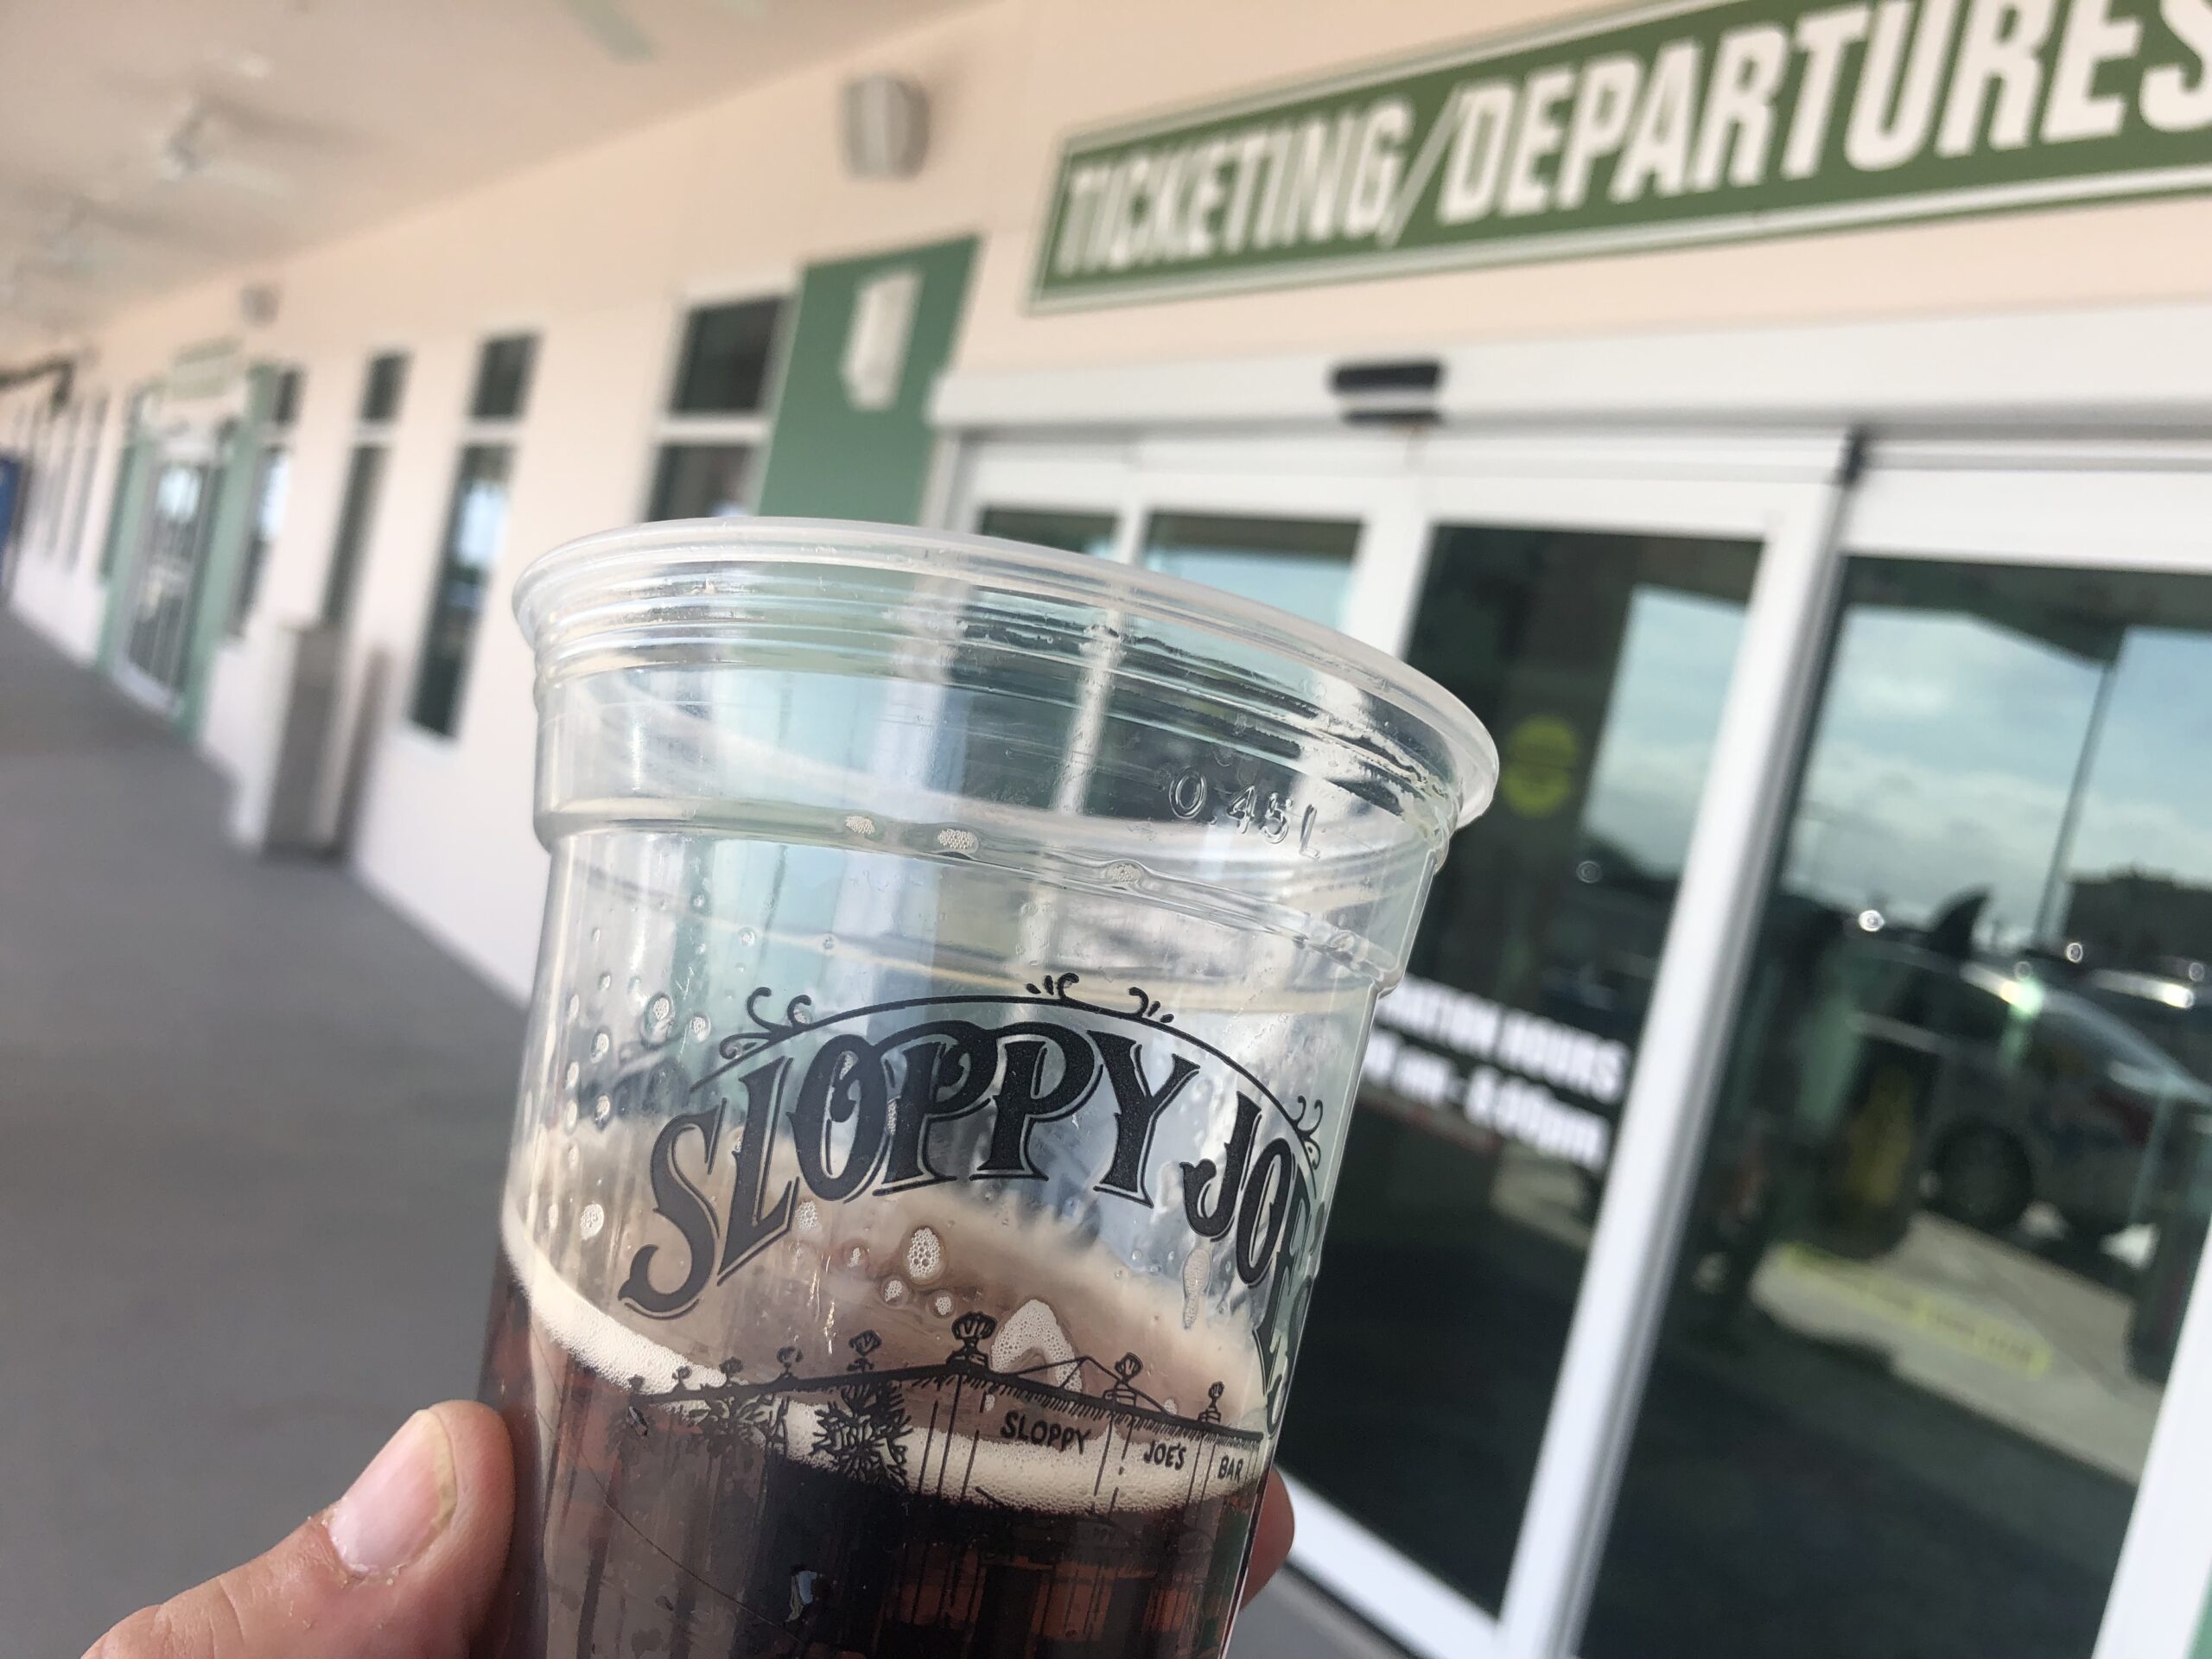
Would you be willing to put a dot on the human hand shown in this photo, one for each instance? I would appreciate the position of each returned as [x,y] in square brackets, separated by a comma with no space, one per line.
[403,1566]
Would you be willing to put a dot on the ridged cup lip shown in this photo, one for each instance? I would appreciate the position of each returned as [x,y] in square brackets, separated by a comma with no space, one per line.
[595,581]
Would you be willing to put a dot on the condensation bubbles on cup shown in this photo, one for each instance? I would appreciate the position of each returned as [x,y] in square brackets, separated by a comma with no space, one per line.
[696,1028]
[657,1024]
[591,1222]
[924,1256]
[961,843]
[601,1042]
[602,1111]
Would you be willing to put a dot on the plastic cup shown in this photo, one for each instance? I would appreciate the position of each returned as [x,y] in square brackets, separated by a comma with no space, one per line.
[956,964]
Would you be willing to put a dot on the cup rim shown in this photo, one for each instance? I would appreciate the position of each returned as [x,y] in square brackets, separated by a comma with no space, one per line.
[676,548]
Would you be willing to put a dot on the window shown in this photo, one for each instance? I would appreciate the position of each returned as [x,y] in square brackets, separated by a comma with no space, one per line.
[284,406]
[356,513]
[94,426]
[710,437]
[702,480]
[383,388]
[1300,565]
[271,487]
[1070,532]
[503,377]
[1496,1076]
[41,484]
[476,525]
[1956,1189]
[724,369]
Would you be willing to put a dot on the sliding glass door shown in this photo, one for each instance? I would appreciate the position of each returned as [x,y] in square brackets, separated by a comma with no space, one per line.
[1773,1206]
[170,566]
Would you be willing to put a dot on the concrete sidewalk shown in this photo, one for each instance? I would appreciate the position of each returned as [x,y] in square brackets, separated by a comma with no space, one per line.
[251,1129]
[251,1125]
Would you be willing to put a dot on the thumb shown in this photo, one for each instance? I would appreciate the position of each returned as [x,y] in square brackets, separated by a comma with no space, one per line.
[403,1566]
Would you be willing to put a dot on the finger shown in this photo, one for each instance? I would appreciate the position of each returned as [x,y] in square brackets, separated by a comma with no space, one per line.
[1271,1536]
[402,1566]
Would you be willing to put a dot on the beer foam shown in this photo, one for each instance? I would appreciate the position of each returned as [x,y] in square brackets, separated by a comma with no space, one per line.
[1055,1440]
[924,1256]
[594,1340]
[1032,1333]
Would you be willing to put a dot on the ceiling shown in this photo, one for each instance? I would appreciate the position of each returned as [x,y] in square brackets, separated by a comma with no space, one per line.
[146,144]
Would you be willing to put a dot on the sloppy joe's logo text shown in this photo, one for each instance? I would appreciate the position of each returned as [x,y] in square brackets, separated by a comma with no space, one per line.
[864,1102]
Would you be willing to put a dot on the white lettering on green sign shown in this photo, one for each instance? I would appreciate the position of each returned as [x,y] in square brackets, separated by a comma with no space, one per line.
[1699,121]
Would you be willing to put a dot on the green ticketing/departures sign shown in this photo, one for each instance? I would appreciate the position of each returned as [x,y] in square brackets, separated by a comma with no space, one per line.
[1695,121]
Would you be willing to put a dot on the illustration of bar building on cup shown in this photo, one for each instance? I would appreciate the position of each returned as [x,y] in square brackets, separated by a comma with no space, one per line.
[875,1483]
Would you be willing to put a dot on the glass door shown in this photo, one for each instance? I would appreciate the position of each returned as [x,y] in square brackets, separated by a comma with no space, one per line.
[1498,1072]
[1596,602]
[1911,1392]
[156,648]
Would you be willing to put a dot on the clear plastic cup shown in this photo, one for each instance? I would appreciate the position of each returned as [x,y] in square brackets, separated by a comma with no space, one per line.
[956,966]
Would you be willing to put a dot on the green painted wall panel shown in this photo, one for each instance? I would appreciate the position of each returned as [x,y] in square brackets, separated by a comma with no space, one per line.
[827,458]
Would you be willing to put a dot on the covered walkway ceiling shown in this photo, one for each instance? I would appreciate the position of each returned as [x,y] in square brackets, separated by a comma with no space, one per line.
[145,144]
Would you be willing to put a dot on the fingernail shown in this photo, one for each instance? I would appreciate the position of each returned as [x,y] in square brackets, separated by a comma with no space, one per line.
[400,1503]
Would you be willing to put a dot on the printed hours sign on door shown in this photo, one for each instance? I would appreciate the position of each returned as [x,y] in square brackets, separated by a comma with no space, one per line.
[1695,121]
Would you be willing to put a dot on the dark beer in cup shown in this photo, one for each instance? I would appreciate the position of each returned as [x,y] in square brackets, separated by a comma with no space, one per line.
[955,965]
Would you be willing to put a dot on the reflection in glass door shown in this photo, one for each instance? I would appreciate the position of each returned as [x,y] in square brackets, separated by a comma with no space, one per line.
[1299,565]
[174,542]
[1496,1072]
[1071,531]
[1961,1168]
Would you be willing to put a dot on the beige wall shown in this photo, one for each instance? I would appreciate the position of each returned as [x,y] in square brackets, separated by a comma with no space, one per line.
[599,251]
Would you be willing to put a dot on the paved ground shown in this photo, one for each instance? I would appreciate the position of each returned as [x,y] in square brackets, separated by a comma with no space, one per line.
[251,1131]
